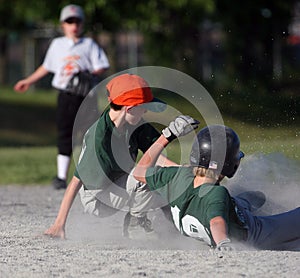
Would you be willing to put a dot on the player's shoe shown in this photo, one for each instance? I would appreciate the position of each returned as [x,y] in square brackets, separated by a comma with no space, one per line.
[59,183]
[137,227]
[252,200]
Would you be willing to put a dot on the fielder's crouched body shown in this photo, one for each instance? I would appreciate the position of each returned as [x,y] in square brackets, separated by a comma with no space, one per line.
[109,152]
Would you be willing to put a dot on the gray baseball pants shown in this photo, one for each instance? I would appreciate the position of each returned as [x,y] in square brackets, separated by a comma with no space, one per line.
[125,194]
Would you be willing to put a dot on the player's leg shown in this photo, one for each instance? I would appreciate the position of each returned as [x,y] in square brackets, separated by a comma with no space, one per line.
[136,222]
[279,232]
[251,200]
[67,107]
[92,205]
[107,201]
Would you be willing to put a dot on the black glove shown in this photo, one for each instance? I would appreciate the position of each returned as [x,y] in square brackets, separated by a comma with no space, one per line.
[181,126]
[81,83]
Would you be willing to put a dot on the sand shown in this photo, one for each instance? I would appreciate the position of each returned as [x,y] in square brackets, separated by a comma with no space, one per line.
[95,248]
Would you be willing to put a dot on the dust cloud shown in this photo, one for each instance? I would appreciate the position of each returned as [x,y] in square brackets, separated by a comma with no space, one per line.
[275,175]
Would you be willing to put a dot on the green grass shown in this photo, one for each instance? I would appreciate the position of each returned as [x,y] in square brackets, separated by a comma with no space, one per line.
[28,165]
[265,124]
[27,137]
[283,139]
[27,119]
[36,165]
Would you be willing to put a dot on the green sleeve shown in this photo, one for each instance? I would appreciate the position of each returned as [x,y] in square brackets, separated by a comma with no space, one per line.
[219,204]
[157,176]
[170,182]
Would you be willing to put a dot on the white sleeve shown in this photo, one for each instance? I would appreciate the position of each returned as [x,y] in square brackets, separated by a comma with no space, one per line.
[98,57]
[48,61]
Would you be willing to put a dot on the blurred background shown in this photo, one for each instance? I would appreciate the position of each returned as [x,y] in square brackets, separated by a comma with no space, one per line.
[245,53]
[254,44]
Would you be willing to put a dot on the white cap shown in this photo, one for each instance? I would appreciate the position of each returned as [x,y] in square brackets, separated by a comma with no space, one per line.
[71,11]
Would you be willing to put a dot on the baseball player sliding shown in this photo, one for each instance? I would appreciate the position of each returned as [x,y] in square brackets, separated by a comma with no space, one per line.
[204,209]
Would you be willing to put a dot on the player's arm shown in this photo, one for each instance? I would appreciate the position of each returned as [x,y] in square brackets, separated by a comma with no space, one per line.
[163,161]
[217,214]
[24,84]
[58,228]
[149,158]
[218,228]
[181,126]
[98,59]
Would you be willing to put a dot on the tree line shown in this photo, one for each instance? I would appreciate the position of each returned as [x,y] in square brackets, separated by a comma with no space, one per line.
[238,40]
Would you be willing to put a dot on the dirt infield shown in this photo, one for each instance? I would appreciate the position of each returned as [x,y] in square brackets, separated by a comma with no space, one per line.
[94,247]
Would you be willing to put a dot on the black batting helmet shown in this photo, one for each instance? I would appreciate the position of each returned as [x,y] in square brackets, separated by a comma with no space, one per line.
[217,147]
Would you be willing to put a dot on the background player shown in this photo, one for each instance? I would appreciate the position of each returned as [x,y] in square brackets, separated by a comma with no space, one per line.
[65,57]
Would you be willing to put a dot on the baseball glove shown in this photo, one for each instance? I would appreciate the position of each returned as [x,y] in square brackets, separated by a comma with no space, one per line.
[181,126]
[81,83]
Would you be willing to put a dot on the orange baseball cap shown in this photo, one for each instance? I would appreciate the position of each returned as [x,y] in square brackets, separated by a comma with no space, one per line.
[131,90]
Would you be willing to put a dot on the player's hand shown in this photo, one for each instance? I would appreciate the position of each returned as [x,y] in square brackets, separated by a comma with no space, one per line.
[181,126]
[55,232]
[22,86]
[225,245]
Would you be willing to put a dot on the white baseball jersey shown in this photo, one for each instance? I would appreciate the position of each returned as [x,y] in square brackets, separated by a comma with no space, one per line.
[64,58]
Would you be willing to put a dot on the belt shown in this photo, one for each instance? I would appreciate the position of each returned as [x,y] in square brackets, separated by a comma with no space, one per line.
[244,234]
[241,223]
[240,216]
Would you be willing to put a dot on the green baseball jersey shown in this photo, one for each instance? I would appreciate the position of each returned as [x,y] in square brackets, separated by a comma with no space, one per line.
[193,208]
[107,154]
